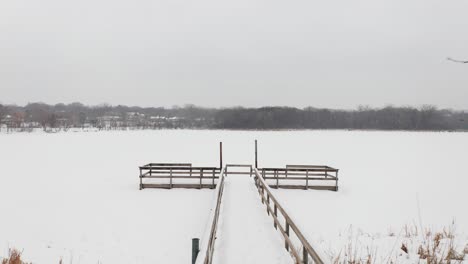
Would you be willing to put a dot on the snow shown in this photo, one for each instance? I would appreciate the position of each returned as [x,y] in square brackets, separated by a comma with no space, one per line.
[75,195]
[245,233]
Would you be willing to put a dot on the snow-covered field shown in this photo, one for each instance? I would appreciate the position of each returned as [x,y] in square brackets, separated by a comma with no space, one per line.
[75,195]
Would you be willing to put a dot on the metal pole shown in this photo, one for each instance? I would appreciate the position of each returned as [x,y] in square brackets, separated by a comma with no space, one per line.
[220,155]
[256,155]
[195,249]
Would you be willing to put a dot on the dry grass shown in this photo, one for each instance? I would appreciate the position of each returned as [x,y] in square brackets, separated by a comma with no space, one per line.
[14,257]
[414,243]
[439,247]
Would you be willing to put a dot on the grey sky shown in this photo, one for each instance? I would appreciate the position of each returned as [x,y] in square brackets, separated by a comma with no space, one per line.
[325,53]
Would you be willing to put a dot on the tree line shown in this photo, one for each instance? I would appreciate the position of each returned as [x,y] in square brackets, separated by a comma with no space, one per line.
[105,116]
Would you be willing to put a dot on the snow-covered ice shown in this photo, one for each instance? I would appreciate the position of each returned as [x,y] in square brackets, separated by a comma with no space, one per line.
[75,195]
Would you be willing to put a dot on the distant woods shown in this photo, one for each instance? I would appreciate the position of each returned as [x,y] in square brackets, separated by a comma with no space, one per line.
[77,115]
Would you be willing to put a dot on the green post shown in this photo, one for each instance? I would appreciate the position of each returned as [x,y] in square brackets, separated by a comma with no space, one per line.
[195,249]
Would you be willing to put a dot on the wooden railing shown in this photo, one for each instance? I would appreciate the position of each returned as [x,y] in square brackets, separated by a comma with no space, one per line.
[301,176]
[186,176]
[208,241]
[273,207]
[237,169]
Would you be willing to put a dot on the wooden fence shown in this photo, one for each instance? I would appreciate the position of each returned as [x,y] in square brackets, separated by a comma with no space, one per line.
[273,207]
[177,175]
[301,177]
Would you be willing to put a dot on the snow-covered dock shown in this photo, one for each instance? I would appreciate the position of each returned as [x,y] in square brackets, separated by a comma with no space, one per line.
[245,233]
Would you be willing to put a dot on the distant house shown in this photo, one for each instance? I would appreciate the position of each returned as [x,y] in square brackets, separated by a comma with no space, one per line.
[109,121]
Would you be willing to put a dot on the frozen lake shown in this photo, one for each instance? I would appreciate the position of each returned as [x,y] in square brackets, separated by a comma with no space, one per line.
[75,195]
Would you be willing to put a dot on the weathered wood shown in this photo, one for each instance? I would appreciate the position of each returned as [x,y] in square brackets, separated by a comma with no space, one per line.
[213,181]
[201,178]
[178,168]
[169,164]
[171,178]
[238,173]
[176,185]
[276,215]
[301,187]
[167,176]
[330,178]
[239,165]
[141,180]
[208,249]
[302,169]
[289,224]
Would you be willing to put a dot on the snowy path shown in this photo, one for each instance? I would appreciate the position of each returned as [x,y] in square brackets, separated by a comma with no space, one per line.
[246,233]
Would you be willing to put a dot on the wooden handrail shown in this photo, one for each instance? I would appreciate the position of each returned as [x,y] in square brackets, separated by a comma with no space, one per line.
[208,242]
[170,164]
[300,169]
[262,187]
[177,168]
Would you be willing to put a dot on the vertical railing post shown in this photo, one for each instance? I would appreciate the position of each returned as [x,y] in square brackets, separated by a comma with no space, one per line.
[307,179]
[195,249]
[268,203]
[141,179]
[287,233]
[277,179]
[213,178]
[276,214]
[336,181]
[170,178]
[201,177]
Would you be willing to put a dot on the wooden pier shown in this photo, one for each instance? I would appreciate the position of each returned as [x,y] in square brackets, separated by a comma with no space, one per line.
[302,177]
[184,175]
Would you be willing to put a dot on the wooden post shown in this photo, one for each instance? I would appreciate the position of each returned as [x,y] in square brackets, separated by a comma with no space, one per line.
[307,179]
[287,233]
[195,249]
[277,179]
[336,181]
[256,155]
[170,177]
[141,180]
[201,176]
[268,204]
[263,195]
[220,155]
[276,214]
[213,178]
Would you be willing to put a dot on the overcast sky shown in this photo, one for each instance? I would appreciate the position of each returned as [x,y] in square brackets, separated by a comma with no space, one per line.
[324,53]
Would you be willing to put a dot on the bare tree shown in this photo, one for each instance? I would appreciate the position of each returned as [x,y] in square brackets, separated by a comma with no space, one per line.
[2,112]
